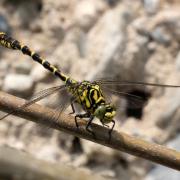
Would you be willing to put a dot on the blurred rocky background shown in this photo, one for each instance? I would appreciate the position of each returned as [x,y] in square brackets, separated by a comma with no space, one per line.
[135,40]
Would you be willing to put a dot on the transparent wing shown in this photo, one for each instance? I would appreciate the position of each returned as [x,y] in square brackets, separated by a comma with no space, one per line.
[135,101]
[37,97]
[109,82]
[66,101]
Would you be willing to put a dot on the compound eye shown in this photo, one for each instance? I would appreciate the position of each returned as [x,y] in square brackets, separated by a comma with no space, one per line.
[100,112]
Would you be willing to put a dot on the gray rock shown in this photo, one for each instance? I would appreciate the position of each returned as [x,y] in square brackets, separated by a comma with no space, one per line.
[23,67]
[4,26]
[171,111]
[81,44]
[4,65]
[107,40]
[151,6]
[86,13]
[112,2]
[175,143]
[160,35]
[161,172]
[18,84]
[39,73]
[178,61]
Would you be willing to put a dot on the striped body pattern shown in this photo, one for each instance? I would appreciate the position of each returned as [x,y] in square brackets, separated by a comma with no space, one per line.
[11,43]
[91,97]
[88,94]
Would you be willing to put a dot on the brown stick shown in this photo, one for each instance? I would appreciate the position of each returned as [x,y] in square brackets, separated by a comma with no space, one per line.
[120,141]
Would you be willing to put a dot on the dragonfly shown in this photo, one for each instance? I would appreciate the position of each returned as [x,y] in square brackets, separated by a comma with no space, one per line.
[90,95]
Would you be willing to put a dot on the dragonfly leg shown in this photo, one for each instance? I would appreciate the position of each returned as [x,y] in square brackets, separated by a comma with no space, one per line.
[104,125]
[73,109]
[110,131]
[85,115]
[88,125]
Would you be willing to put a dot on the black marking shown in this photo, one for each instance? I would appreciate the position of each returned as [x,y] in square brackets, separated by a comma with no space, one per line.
[26,50]
[68,82]
[16,44]
[109,109]
[37,58]
[47,65]
[58,74]
[91,97]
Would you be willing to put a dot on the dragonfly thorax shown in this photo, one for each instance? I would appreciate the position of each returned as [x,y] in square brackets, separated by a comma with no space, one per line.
[105,112]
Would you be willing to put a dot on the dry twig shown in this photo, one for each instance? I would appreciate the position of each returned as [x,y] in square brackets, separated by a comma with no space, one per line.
[120,141]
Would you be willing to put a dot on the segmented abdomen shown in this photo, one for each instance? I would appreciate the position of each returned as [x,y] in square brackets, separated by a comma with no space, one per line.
[11,43]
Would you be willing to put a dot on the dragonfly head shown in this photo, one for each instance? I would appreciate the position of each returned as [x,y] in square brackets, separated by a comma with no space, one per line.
[105,112]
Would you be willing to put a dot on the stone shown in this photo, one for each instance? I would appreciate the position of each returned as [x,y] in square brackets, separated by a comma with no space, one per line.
[23,67]
[39,73]
[87,12]
[171,110]
[161,36]
[107,40]
[21,85]
[112,2]
[151,6]
[4,26]
[4,66]
[178,61]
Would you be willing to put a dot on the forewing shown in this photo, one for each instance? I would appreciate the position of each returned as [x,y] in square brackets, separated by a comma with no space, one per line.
[134,101]
[37,97]
[66,101]
[110,82]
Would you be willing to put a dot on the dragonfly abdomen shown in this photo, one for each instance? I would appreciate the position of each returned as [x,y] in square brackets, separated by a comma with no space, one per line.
[11,43]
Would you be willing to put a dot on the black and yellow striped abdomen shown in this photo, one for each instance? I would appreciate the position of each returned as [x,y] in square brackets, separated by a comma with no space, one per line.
[11,43]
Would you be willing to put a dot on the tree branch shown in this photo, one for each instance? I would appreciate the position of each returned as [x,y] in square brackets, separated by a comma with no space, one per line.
[120,141]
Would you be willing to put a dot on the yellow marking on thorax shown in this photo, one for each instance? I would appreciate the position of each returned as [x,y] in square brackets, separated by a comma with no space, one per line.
[99,99]
[95,96]
[84,98]
[88,105]
[84,95]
